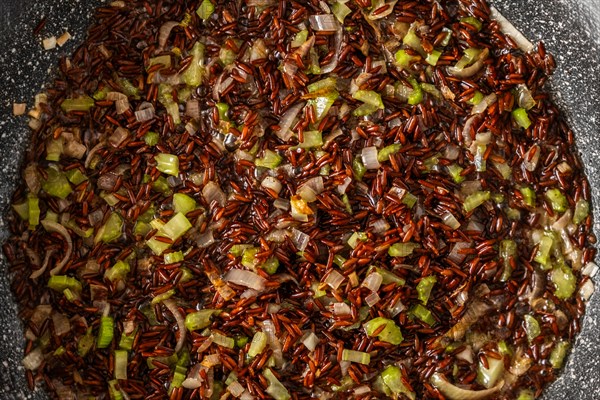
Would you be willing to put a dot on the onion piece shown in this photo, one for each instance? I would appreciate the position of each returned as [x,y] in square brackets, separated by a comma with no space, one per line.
[145,112]
[484,104]
[61,324]
[300,239]
[341,309]
[92,153]
[453,392]
[472,69]
[32,178]
[369,157]
[338,42]
[164,32]
[246,278]
[509,30]
[450,220]
[287,119]
[344,186]
[323,22]
[272,183]
[474,312]
[590,269]
[172,307]
[334,279]
[38,272]
[34,359]
[373,281]
[269,328]
[212,192]
[310,340]
[55,227]
[372,299]
[456,255]
[374,14]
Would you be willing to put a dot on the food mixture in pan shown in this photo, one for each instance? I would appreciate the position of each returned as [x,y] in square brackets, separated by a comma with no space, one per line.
[262,199]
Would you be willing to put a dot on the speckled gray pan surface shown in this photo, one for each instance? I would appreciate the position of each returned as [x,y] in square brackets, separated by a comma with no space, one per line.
[570,29]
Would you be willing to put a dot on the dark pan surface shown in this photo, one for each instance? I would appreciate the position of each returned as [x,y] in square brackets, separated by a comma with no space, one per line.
[569,28]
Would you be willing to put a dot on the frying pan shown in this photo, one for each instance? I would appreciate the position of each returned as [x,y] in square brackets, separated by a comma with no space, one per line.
[569,28]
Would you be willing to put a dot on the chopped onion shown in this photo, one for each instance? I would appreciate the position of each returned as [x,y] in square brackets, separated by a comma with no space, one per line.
[164,32]
[562,222]
[269,328]
[246,278]
[206,239]
[364,389]
[590,269]
[338,44]
[369,157]
[532,157]
[456,254]
[524,97]
[509,30]
[484,104]
[38,272]
[466,355]
[34,359]
[212,192]
[52,226]
[453,392]
[474,312]
[179,318]
[272,183]
[334,279]
[310,340]
[323,22]
[341,309]
[194,379]
[118,137]
[396,308]
[192,109]
[586,290]
[61,324]
[307,193]
[300,239]
[286,121]
[472,69]
[373,281]
[121,106]
[372,299]
[451,152]
[450,220]
[235,388]
[474,226]
[380,226]
[145,112]
[342,188]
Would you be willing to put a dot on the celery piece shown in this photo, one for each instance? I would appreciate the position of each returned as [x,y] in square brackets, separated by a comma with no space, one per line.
[300,38]
[167,163]
[120,365]
[61,282]
[532,327]
[455,171]
[364,109]
[557,357]
[402,249]
[186,275]
[369,97]
[111,230]
[542,255]
[270,265]
[528,196]
[385,153]
[118,271]
[470,56]
[205,10]
[409,199]
[413,41]
[355,237]
[151,138]
[223,109]
[474,22]
[340,10]
[582,210]
[423,314]
[390,277]
[174,257]
[113,391]
[475,200]
[339,260]
[557,200]
[312,139]
[417,93]
[100,94]
[82,103]
[222,340]
[226,56]
[141,228]
[564,281]
[322,104]
[33,210]
[177,226]
[270,159]
[526,394]
[249,257]
[354,356]
[358,168]
[424,288]
[275,388]
[126,341]
[476,99]
[521,118]
[433,57]
[346,201]
[323,86]
[508,250]
[199,319]
[161,186]
[106,332]
[392,378]
[159,298]
[57,184]
[259,342]
[75,176]
[390,334]
[238,249]
[22,210]
[404,60]
[128,88]
[54,149]
[85,343]
[183,203]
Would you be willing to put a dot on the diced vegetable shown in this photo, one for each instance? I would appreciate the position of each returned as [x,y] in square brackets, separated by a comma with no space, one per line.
[475,200]
[474,22]
[557,200]
[311,139]
[390,334]
[61,282]
[111,230]
[83,103]
[424,288]
[402,249]
[270,159]
[559,353]
[118,271]
[528,196]
[275,388]
[57,184]
[564,281]
[167,163]
[199,319]
[423,314]
[259,342]
[356,356]
[521,118]
[183,203]
[582,210]
[488,377]
[106,332]
[120,366]
[205,10]
[532,327]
